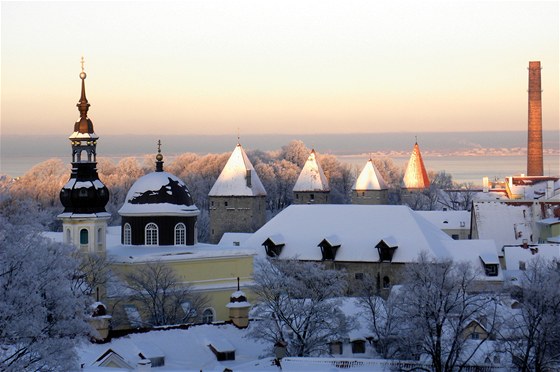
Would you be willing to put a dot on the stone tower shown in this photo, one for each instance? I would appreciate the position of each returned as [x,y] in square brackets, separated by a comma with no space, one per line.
[311,186]
[370,187]
[84,220]
[534,135]
[415,176]
[237,199]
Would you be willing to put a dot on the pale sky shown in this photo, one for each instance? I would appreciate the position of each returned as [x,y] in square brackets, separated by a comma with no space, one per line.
[211,67]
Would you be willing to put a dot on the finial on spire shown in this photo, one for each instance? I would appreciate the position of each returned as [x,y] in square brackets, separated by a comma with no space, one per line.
[416,139]
[83,105]
[159,158]
[238,136]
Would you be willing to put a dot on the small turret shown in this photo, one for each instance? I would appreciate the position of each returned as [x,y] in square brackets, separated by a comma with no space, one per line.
[415,176]
[311,186]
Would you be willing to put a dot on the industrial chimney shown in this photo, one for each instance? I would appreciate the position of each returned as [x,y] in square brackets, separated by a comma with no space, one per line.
[534,135]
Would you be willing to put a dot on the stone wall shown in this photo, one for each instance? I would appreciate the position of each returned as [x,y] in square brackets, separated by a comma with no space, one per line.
[235,214]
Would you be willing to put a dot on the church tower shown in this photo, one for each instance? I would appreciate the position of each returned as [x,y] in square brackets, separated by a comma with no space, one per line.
[311,186]
[370,187]
[84,219]
[237,199]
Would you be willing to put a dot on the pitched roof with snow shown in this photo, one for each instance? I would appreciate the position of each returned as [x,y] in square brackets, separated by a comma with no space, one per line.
[370,178]
[448,220]
[234,180]
[358,228]
[415,176]
[312,177]
[159,193]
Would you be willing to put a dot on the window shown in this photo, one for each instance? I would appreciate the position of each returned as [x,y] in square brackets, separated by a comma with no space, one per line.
[68,236]
[100,236]
[475,336]
[127,234]
[151,234]
[226,204]
[359,276]
[311,196]
[208,316]
[522,265]
[335,348]
[180,232]
[358,346]
[386,282]
[455,236]
[491,269]
[84,236]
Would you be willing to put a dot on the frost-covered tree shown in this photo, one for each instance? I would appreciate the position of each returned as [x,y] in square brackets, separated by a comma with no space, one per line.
[163,296]
[295,152]
[297,304]
[531,334]
[435,307]
[41,317]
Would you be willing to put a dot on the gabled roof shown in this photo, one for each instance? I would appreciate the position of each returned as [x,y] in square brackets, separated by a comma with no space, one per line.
[370,179]
[312,177]
[233,180]
[357,227]
[415,176]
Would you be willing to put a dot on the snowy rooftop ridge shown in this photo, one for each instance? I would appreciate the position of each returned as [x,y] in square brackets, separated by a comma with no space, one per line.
[415,176]
[238,178]
[312,177]
[370,178]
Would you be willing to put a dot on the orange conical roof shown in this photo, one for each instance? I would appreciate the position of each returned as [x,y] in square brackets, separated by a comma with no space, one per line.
[415,176]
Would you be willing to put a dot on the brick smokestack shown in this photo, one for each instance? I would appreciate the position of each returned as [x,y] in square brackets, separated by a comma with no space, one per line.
[534,135]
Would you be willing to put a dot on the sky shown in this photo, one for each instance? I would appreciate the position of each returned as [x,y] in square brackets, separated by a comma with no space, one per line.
[266,67]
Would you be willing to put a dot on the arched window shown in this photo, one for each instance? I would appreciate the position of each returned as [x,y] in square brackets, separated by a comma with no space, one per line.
[386,282]
[152,234]
[68,236]
[100,236]
[127,234]
[208,316]
[84,236]
[180,233]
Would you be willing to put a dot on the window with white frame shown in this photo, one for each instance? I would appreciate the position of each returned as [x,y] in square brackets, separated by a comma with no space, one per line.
[152,234]
[208,316]
[127,234]
[180,233]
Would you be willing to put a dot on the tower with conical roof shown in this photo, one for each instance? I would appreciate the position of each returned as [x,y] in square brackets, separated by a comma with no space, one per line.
[370,187]
[84,196]
[311,186]
[237,199]
[415,176]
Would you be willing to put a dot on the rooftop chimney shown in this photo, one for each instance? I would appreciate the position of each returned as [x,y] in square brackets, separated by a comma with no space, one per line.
[534,135]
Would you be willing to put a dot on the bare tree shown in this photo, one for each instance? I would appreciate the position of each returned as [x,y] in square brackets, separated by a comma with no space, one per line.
[297,304]
[41,318]
[532,333]
[435,309]
[163,296]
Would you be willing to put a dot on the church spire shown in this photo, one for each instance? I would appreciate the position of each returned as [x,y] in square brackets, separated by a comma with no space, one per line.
[84,124]
[159,158]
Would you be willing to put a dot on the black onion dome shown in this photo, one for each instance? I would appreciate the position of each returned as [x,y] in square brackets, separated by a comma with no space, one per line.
[159,193]
[84,193]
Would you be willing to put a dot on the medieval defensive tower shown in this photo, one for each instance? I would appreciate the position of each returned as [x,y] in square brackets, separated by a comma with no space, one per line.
[534,134]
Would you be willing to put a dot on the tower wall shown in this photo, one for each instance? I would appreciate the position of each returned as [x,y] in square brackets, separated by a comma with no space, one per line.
[91,241]
[534,135]
[369,197]
[235,214]
[311,197]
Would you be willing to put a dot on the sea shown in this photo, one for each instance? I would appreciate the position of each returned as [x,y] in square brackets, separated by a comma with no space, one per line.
[467,156]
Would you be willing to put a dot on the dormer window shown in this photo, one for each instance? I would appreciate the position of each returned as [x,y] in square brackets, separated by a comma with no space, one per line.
[273,245]
[386,248]
[490,262]
[329,246]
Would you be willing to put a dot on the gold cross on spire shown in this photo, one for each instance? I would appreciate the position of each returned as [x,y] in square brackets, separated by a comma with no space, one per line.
[159,146]
[82,63]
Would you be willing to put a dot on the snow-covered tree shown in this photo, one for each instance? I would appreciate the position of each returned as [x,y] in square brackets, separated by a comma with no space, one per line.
[531,334]
[41,317]
[162,295]
[435,307]
[297,304]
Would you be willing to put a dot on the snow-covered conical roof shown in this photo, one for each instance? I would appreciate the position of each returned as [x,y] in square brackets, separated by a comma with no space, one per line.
[159,193]
[312,177]
[238,178]
[370,179]
[416,176]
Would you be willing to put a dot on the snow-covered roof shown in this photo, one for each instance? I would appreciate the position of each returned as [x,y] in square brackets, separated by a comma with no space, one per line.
[359,229]
[184,349]
[83,136]
[234,180]
[516,256]
[448,220]
[312,177]
[510,222]
[120,253]
[230,239]
[159,193]
[370,178]
[415,176]
[534,187]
